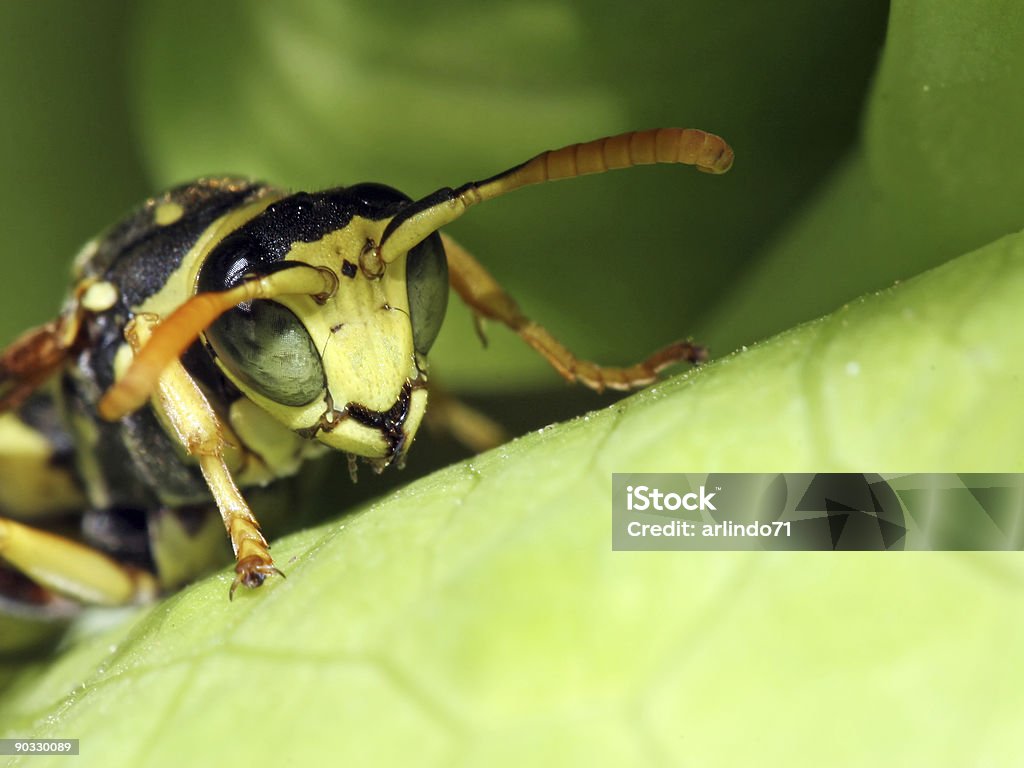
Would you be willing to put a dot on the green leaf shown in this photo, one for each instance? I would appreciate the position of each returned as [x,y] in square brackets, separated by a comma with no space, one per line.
[479,615]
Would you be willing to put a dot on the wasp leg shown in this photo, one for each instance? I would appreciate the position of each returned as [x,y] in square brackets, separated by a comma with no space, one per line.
[180,401]
[72,569]
[40,352]
[35,356]
[486,298]
[474,429]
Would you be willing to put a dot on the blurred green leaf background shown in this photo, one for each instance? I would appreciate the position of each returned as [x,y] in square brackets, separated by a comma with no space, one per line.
[478,617]
[111,104]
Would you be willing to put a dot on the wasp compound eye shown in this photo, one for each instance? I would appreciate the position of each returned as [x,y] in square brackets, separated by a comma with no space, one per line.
[266,346]
[261,342]
[426,274]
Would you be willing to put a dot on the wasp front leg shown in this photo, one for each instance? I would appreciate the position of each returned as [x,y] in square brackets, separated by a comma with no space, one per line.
[186,409]
[487,299]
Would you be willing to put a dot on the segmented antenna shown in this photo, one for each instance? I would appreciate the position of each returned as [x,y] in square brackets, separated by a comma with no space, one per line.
[687,146]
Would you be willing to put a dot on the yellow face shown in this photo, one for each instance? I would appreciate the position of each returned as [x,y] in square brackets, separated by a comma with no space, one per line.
[363,336]
[348,370]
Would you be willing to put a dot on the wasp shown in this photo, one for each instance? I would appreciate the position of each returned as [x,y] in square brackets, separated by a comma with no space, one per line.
[225,332]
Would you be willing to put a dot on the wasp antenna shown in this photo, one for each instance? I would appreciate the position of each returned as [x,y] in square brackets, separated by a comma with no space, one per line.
[182,327]
[688,146]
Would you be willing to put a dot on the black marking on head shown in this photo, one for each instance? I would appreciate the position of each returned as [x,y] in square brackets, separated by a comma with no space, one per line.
[304,217]
[390,423]
[348,269]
